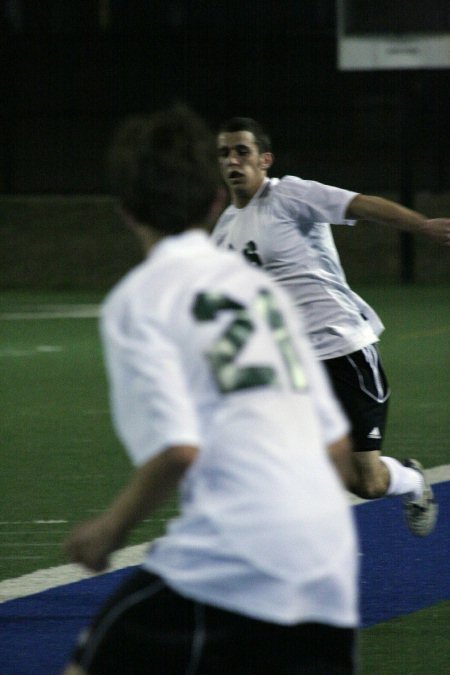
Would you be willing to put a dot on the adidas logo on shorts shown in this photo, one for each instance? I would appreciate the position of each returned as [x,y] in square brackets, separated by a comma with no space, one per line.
[375,433]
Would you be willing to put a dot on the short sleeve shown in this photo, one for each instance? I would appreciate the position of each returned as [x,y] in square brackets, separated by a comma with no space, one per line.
[310,201]
[150,402]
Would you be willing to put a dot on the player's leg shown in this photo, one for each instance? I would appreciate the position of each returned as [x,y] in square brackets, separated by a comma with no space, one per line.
[379,476]
[371,477]
[406,479]
[361,385]
[73,669]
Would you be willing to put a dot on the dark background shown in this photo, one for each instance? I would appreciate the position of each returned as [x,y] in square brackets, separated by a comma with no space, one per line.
[71,70]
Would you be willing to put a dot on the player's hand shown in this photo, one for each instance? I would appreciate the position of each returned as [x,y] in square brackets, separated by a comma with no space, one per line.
[438,229]
[91,543]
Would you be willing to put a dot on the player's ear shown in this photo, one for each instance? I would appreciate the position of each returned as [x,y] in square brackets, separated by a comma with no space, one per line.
[266,160]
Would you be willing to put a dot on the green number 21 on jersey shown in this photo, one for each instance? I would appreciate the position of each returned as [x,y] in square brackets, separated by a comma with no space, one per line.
[224,351]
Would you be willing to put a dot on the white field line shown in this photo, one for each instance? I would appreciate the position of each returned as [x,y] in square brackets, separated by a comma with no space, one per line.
[42,580]
[26,543]
[82,311]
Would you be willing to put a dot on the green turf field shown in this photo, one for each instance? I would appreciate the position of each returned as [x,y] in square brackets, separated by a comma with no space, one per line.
[415,644]
[61,461]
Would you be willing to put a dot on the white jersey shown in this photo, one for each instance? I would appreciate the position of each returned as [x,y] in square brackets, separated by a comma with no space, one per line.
[202,349]
[285,229]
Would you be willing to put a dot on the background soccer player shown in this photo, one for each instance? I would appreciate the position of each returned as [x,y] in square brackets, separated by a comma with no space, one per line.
[283,226]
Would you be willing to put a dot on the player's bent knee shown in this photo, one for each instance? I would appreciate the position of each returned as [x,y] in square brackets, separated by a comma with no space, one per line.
[74,669]
[371,478]
[369,487]
[370,491]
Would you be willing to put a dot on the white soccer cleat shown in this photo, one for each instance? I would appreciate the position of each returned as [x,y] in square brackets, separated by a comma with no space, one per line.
[421,514]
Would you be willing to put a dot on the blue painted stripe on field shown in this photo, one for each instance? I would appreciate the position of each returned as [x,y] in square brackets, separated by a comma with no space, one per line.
[399,574]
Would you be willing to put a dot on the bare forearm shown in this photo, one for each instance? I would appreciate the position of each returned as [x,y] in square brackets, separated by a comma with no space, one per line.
[380,210]
[91,542]
[149,488]
[386,212]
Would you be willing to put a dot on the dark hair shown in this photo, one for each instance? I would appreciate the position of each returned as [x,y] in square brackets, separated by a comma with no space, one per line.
[262,139]
[163,169]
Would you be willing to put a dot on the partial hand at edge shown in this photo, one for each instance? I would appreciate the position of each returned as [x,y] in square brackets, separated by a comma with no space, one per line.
[92,542]
[438,229]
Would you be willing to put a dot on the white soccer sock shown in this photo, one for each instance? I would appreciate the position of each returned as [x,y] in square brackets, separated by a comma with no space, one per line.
[403,479]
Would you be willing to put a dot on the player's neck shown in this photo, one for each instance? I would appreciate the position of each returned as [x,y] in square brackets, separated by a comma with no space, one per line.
[241,198]
[241,201]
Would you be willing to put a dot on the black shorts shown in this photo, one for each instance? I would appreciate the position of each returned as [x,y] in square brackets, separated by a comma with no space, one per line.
[148,629]
[361,385]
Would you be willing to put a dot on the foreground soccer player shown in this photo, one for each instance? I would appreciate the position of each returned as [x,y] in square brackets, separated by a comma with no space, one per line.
[283,226]
[215,392]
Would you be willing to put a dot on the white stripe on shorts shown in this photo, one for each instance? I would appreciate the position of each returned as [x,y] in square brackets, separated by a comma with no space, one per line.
[107,621]
[198,640]
[198,635]
[372,358]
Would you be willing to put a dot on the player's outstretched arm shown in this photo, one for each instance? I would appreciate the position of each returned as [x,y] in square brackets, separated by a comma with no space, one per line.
[91,542]
[386,212]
